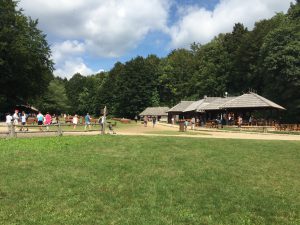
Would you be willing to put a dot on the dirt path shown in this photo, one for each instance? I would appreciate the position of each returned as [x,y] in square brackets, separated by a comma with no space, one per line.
[172,131]
[149,131]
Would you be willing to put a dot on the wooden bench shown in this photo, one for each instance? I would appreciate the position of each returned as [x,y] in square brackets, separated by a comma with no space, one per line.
[287,127]
[211,124]
[125,121]
[31,120]
[69,119]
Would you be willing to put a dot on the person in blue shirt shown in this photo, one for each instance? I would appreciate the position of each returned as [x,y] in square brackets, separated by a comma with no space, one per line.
[87,120]
[40,120]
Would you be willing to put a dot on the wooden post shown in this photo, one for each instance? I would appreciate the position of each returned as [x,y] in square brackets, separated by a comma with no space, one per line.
[104,120]
[59,130]
[12,131]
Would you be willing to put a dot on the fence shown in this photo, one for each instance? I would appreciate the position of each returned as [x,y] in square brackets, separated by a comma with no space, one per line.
[13,131]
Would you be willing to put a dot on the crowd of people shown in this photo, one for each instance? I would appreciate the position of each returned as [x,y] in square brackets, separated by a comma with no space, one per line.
[218,121]
[20,119]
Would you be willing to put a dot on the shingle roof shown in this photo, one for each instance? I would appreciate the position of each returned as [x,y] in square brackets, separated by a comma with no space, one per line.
[180,107]
[196,105]
[250,100]
[155,111]
[214,105]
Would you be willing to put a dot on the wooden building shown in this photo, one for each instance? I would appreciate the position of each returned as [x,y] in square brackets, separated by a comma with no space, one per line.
[161,113]
[177,112]
[211,108]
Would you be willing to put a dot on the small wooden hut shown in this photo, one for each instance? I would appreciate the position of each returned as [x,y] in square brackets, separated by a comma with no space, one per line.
[161,113]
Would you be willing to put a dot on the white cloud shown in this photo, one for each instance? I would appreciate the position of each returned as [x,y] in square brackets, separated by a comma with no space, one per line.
[105,28]
[73,65]
[68,60]
[82,29]
[201,25]
[66,48]
[108,27]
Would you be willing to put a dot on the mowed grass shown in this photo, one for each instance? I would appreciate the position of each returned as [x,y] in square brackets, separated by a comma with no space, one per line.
[148,180]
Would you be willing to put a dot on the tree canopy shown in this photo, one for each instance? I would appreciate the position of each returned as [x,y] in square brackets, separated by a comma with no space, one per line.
[25,64]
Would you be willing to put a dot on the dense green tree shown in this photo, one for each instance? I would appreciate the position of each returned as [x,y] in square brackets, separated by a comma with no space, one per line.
[248,55]
[55,99]
[237,70]
[176,72]
[213,65]
[107,91]
[136,86]
[86,102]
[25,64]
[281,64]
[73,88]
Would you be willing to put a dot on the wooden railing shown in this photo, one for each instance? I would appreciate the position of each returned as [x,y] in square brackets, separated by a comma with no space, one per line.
[54,129]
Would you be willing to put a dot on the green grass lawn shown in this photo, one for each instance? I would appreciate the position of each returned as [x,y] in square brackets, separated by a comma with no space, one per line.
[148,180]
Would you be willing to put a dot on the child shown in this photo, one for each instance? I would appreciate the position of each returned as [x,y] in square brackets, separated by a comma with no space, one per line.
[111,130]
[23,121]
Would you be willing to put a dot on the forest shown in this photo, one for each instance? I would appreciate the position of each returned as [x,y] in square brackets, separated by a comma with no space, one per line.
[265,59]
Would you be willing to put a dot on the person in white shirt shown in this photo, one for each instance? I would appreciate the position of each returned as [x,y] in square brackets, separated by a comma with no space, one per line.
[16,117]
[8,118]
[193,121]
[75,121]
[8,121]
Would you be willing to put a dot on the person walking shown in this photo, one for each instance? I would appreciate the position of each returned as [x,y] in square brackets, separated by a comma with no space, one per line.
[193,121]
[240,121]
[250,120]
[100,121]
[48,120]
[87,120]
[40,120]
[102,124]
[173,120]
[9,122]
[23,121]
[16,117]
[145,121]
[186,123]
[75,121]
[153,121]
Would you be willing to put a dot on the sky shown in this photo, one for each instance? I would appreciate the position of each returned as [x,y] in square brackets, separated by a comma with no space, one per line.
[89,36]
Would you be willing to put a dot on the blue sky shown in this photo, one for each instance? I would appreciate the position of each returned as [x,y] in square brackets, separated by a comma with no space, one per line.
[88,36]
